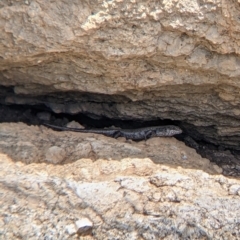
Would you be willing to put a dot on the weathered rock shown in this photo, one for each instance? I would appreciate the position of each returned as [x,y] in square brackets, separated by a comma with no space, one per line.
[170,59]
[32,144]
[120,59]
[55,155]
[128,199]
[74,124]
[84,226]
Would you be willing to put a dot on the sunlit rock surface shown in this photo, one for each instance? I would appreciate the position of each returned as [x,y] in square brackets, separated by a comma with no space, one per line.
[141,60]
[128,199]
[170,59]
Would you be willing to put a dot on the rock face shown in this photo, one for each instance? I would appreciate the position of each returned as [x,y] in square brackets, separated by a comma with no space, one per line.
[139,60]
[40,144]
[128,199]
[174,60]
[72,185]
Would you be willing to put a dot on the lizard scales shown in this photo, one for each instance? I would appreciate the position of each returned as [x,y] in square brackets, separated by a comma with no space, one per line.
[134,134]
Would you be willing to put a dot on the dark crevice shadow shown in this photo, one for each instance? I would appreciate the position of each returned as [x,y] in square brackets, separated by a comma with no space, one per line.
[228,159]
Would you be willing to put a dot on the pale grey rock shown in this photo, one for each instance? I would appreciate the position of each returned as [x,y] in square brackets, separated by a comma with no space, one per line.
[83,149]
[234,190]
[174,60]
[55,155]
[74,124]
[83,225]
[131,199]
[71,229]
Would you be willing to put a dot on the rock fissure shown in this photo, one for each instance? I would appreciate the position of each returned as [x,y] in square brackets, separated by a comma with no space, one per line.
[199,138]
[127,64]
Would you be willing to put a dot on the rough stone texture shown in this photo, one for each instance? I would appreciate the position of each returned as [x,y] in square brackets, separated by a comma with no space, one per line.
[32,144]
[170,59]
[128,199]
[154,59]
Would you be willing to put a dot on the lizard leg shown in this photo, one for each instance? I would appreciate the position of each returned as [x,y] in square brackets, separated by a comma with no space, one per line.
[117,134]
[147,135]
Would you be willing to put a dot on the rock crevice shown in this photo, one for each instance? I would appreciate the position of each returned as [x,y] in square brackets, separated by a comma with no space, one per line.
[174,60]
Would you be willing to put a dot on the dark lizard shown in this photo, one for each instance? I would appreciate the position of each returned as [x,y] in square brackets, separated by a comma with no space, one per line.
[134,134]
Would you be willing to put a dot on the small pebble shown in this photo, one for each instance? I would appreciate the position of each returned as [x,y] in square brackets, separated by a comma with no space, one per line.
[83,225]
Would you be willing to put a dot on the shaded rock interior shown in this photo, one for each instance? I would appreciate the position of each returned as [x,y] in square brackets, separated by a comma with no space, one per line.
[196,107]
[100,111]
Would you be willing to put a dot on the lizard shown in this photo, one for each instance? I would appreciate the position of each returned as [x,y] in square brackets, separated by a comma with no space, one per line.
[134,134]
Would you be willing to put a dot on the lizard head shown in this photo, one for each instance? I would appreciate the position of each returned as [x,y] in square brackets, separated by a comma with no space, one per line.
[168,131]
